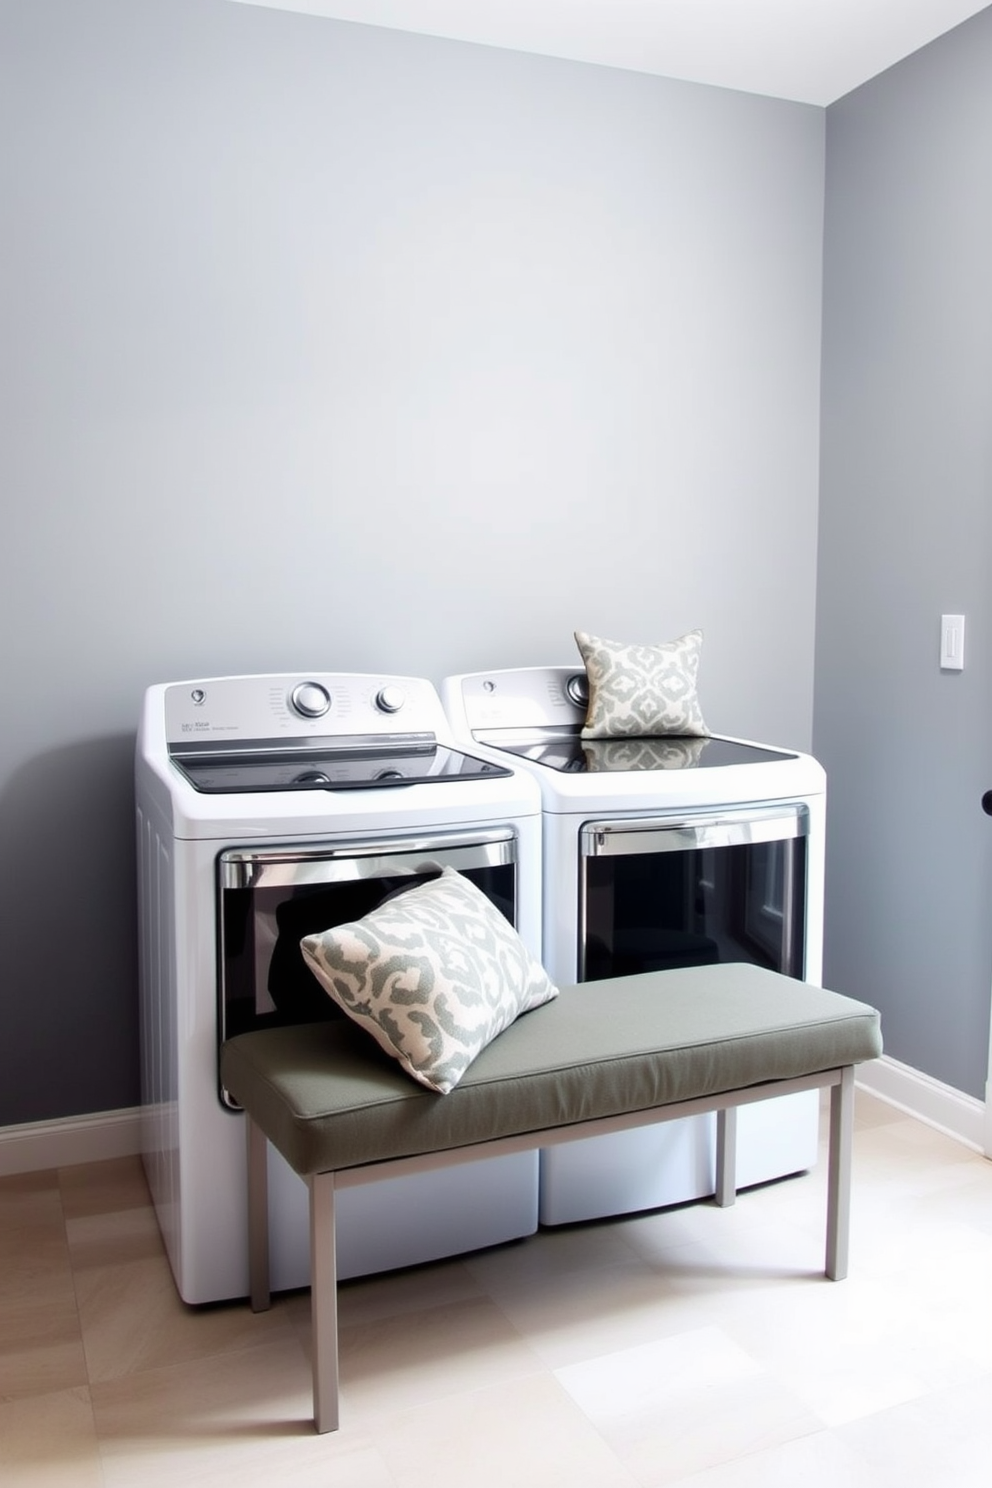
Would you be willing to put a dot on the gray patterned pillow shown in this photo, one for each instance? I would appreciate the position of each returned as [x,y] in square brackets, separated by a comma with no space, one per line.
[642,690]
[434,975]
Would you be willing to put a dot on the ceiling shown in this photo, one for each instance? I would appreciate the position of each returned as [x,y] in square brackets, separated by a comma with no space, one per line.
[809,51]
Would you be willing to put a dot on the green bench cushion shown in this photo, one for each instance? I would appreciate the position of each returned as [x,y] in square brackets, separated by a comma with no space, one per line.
[328,1098]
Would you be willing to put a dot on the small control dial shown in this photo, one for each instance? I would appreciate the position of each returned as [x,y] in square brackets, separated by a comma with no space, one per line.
[390,699]
[577,690]
[310,699]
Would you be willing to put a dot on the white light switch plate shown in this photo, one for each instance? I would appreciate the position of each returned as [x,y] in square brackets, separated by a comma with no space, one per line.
[952,643]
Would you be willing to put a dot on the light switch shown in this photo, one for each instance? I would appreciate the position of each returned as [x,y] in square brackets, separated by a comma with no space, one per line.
[952,643]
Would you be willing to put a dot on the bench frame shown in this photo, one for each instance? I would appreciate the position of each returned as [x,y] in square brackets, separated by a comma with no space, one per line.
[323,1186]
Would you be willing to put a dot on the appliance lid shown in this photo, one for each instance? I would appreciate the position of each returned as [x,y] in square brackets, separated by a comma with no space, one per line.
[564,750]
[356,762]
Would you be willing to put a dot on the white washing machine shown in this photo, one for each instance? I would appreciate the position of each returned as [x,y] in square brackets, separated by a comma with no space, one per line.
[660,853]
[269,807]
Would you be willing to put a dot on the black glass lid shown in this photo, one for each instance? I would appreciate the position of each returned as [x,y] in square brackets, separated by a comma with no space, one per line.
[572,755]
[313,768]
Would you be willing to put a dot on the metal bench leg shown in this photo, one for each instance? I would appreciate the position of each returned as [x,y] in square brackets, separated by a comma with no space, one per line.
[324,1302]
[726,1156]
[258,1217]
[839,1174]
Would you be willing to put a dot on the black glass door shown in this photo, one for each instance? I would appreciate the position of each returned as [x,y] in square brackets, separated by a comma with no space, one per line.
[654,897]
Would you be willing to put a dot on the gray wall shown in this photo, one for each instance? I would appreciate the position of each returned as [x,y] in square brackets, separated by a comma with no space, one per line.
[324,346]
[906,507]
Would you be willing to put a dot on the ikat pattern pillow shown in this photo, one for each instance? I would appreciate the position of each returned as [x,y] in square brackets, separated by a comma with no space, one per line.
[644,691]
[434,975]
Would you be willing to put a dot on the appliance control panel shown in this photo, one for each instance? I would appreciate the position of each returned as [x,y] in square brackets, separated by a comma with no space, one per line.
[300,706]
[531,697]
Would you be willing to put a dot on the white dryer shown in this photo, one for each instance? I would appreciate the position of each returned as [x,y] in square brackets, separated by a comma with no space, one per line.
[659,853]
[269,807]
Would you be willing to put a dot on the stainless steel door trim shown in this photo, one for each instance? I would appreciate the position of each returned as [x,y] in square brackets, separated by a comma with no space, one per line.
[788,906]
[655,834]
[344,862]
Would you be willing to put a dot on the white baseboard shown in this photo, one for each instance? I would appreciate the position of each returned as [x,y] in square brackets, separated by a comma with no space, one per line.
[941,1106]
[72,1139]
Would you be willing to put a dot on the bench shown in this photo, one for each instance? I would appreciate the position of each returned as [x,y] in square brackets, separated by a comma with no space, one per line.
[603,1057]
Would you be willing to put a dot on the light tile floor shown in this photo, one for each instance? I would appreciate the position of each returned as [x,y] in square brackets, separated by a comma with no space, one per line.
[693,1348]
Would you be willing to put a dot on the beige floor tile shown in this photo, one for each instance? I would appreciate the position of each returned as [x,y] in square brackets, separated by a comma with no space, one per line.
[113,1239]
[943,1320]
[764,1264]
[367,1299]
[16,1188]
[842,1348]
[940,1439]
[911,1318]
[797,1204]
[552,1253]
[921,1240]
[685,1403]
[41,1348]
[816,1461]
[569,1318]
[235,1421]
[968,1200]
[22,1192]
[870,1111]
[49,1441]
[32,1230]
[132,1319]
[103,1187]
[409,1359]
[906,1159]
[526,1433]
[757,1252]
[109,1219]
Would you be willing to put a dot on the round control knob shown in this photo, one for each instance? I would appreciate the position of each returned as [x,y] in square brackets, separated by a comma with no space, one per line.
[390,699]
[310,699]
[987,803]
[577,690]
